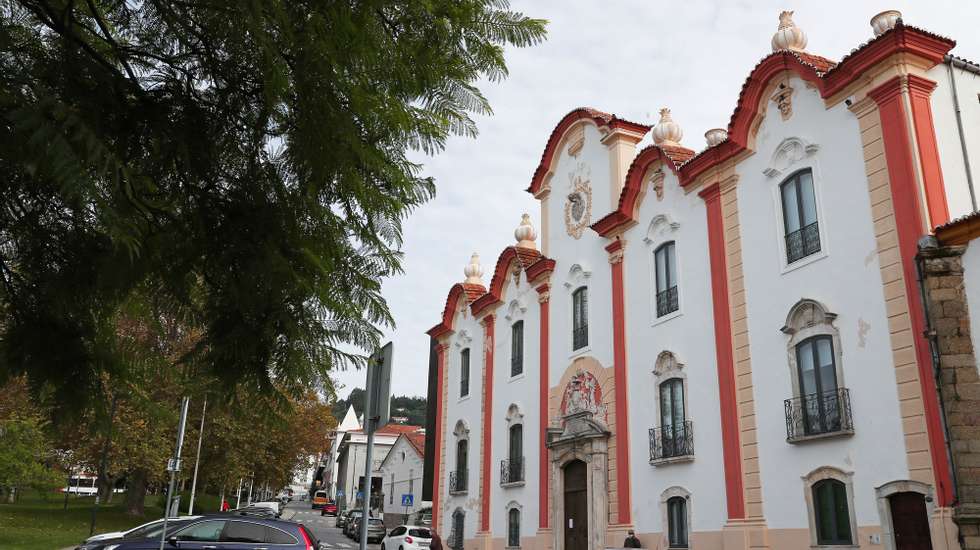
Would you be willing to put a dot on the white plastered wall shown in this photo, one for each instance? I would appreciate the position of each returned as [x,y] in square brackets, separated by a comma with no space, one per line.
[947,133]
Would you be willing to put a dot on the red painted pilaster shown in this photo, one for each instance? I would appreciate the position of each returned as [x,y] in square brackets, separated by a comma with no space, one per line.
[544,299]
[734,488]
[925,136]
[486,452]
[440,439]
[615,250]
[910,226]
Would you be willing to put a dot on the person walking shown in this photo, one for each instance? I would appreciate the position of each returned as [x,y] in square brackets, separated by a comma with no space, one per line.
[436,542]
[631,540]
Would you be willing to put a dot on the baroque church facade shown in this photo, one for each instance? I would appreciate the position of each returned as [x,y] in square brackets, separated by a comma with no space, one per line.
[719,349]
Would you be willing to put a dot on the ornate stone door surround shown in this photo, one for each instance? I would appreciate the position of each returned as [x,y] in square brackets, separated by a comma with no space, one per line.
[582,438]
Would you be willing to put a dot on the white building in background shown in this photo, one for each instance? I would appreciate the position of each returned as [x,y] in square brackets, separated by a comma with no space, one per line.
[720,349]
[351,458]
[401,474]
[329,462]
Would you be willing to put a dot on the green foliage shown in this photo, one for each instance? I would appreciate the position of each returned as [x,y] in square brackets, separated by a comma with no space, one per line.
[22,449]
[411,407]
[242,165]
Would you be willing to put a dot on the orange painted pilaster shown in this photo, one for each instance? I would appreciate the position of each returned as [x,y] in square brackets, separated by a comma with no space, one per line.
[734,487]
[486,452]
[910,226]
[615,251]
[544,299]
[925,136]
[440,440]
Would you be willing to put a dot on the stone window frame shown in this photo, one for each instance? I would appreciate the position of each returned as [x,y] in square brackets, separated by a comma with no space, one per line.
[847,478]
[461,432]
[792,156]
[668,367]
[662,230]
[799,329]
[666,495]
[513,505]
[577,277]
[457,544]
[515,417]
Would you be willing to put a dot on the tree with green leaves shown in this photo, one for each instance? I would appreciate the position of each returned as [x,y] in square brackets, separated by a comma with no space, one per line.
[245,164]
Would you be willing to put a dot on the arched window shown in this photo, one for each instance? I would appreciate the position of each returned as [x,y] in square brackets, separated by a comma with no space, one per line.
[821,403]
[677,522]
[580,318]
[831,514]
[673,438]
[464,372]
[514,528]
[666,279]
[457,477]
[800,226]
[456,535]
[512,468]
[517,348]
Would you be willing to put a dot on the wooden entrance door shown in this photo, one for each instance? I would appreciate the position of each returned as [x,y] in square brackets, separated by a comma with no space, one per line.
[910,521]
[576,506]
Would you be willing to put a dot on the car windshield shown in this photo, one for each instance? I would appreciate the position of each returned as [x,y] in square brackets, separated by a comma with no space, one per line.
[154,530]
[420,533]
[375,522]
[356,512]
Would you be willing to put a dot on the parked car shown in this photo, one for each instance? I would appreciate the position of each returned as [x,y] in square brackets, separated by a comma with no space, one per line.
[352,517]
[342,519]
[319,499]
[329,509]
[270,504]
[245,533]
[375,530]
[149,530]
[254,511]
[407,537]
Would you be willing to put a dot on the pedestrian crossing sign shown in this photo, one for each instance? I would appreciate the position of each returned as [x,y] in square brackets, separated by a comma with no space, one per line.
[407,499]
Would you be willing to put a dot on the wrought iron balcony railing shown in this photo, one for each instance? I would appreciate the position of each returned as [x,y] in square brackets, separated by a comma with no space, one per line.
[667,301]
[580,337]
[818,414]
[802,242]
[512,470]
[669,442]
[457,481]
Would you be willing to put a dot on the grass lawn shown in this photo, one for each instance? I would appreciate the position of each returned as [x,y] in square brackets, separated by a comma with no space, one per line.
[36,523]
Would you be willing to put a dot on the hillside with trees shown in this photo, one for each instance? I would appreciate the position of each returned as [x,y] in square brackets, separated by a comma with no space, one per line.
[413,408]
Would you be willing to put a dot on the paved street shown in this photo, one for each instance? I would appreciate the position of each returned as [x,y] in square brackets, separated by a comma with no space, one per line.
[322,526]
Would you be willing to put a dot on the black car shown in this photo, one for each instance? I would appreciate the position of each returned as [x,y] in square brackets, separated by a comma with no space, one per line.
[228,531]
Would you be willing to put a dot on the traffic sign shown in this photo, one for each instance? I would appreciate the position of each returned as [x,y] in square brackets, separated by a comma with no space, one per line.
[360,494]
[407,499]
[340,492]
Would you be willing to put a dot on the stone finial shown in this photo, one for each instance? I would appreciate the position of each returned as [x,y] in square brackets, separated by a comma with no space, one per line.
[667,132]
[885,21]
[525,233]
[473,271]
[788,36]
[715,136]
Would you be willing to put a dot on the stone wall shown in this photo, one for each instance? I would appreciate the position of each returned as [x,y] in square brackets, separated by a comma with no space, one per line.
[959,382]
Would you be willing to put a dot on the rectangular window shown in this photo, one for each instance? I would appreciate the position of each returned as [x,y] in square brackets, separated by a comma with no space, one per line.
[391,490]
[464,372]
[666,268]
[517,348]
[802,232]
[514,528]
[411,482]
[580,318]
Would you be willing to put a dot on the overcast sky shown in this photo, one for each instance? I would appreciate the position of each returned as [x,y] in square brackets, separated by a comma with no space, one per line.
[625,57]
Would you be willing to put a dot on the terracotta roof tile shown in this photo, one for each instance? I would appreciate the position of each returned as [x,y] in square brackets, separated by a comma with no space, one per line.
[417,441]
[473,291]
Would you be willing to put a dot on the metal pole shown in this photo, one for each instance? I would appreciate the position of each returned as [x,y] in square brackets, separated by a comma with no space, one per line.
[197,461]
[175,466]
[251,481]
[238,495]
[366,505]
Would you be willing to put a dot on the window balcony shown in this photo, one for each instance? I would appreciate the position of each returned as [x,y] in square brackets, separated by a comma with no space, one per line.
[672,443]
[457,482]
[512,471]
[818,415]
[802,242]
[667,301]
[580,337]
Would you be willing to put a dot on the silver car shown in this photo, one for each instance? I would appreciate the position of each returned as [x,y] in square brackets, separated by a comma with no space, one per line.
[375,530]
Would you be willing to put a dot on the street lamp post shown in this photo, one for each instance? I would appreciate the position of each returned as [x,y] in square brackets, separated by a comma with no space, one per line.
[197,461]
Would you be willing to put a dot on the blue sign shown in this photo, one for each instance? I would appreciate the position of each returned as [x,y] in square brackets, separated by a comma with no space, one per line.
[360,494]
[340,492]
[407,499]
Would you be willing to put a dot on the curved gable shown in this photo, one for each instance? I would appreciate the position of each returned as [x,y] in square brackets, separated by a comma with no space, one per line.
[464,291]
[599,118]
[632,193]
[525,257]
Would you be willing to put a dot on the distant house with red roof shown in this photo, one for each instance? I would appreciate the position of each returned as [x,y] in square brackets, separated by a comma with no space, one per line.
[351,457]
[401,473]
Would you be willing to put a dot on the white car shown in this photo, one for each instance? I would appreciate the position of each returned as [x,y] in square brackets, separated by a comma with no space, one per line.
[407,537]
[271,504]
[146,527]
